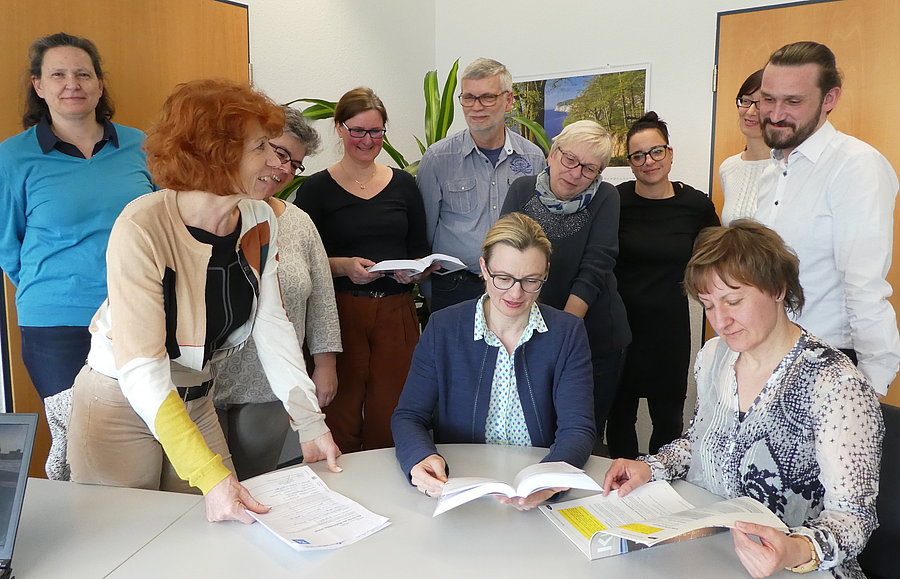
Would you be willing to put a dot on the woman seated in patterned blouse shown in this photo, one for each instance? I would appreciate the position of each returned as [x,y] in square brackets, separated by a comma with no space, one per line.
[499,369]
[781,416]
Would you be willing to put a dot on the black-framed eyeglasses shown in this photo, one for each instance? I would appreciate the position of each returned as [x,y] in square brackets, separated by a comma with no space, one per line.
[486,100]
[358,133]
[285,157]
[570,161]
[745,103]
[502,281]
[657,153]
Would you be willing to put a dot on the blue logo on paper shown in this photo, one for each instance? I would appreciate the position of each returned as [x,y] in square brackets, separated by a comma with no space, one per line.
[301,541]
[521,165]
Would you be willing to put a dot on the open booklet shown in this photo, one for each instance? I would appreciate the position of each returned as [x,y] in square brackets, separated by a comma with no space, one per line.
[650,515]
[306,514]
[448,264]
[544,475]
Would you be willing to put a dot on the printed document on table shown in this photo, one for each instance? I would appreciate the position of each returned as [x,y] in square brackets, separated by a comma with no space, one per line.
[650,515]
[306,514]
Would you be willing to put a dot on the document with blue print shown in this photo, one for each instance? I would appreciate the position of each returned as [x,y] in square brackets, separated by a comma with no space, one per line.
[537,477]
[650,515]
[306,514]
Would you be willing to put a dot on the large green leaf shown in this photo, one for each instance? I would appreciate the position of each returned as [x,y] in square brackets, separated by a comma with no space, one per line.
[432,106]
[445,118]
[422,147]
[320,109]
[395,154]
[540,135]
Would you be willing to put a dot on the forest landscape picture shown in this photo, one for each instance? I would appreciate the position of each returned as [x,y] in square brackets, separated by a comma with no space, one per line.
[613,98]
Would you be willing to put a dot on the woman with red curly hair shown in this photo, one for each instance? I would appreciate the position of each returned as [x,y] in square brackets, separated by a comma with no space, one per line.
[191,275]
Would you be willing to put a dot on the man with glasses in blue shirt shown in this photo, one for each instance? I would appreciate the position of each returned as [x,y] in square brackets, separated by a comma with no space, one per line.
[464,178]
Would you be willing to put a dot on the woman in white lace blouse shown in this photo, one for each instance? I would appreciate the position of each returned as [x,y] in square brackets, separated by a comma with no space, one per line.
[781,416]
[253,419]
[739,174]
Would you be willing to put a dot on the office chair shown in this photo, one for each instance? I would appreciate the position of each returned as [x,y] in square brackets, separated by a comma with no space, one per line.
[879,559]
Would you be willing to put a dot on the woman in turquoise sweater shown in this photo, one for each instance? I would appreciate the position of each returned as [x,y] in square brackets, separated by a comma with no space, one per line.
[63,181]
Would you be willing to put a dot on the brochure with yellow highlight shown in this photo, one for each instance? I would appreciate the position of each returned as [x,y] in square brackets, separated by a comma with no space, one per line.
[651,515]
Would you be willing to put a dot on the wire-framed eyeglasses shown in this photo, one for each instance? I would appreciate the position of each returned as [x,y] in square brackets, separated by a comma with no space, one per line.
[570,161]
[502,281]
[285,157]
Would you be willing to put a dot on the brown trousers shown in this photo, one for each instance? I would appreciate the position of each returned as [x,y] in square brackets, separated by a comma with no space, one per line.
[110,445]
[378,336]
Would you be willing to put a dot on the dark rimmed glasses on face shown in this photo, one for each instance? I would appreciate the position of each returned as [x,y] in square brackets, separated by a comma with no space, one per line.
[745,103]
[486,100]
[285,157]
[657,153]
[502,281]
[358,133]
[570,161]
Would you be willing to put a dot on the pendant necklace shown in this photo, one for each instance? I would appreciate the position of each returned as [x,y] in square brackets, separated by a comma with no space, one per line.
[362,184]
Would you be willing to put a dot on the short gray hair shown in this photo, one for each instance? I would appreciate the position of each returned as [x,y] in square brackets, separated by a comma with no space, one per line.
[486,67]
[295,125]
[590,133]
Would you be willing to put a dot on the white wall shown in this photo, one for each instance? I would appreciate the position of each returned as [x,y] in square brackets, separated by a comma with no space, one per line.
[300,48]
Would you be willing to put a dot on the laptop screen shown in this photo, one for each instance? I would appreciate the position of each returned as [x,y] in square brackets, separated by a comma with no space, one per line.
[16,442]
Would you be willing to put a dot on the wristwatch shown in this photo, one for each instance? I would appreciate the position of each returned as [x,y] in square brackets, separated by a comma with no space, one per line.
[813,562]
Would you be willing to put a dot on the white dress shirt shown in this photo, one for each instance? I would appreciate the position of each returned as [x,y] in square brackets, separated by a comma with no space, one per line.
[832,200]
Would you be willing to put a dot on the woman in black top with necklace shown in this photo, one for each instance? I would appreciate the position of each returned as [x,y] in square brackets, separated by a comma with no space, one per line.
[367,212]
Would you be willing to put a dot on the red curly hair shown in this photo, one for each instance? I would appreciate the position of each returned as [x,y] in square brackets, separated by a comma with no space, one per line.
[198,140]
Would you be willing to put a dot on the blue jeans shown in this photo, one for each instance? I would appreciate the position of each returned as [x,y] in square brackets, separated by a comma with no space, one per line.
[455,288]
[53,356]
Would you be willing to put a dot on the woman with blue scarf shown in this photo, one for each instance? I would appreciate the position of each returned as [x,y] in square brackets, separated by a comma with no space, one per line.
[580,215]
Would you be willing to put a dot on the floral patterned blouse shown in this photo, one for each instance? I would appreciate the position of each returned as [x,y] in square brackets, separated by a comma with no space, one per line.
[505,419]
[809,447]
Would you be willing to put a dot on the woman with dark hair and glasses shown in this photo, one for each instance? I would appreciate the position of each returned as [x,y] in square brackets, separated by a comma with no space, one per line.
[658,223]
[499,369]
[63,182]
[580,215]
[367,212]
[252,417]
[739,174]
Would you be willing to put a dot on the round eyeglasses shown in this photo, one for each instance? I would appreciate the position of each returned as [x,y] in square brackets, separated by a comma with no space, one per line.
[570,161]
[358,133]
[285,157]
[745,103]
[486,100]
[502,281]
[657,153]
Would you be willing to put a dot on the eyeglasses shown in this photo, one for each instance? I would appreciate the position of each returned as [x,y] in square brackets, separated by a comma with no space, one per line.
[502,281]
[570,161]
[285,157]
[358,133]
[486,100]
[745,103]
[657,153]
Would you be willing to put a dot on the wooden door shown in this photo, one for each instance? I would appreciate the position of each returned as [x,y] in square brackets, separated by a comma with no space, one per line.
[148,47]
[862,34]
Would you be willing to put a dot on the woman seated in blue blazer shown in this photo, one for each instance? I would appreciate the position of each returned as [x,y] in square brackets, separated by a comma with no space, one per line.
[500,369]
